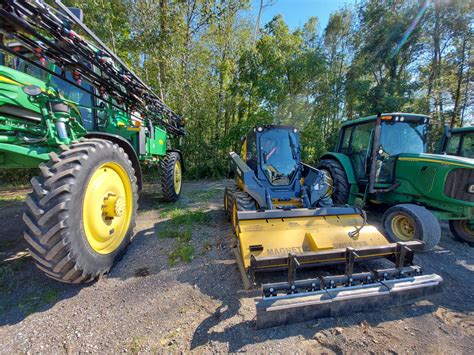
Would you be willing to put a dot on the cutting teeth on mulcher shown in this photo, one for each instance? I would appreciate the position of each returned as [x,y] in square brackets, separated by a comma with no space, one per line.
[329,296]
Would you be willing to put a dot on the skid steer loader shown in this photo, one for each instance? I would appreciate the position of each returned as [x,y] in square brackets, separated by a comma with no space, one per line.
[284,219]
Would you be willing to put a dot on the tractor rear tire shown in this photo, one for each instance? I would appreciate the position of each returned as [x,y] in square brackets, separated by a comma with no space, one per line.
[462,231]
[407,222]
[81,214]
[241,201]
[340,183]
[171,176]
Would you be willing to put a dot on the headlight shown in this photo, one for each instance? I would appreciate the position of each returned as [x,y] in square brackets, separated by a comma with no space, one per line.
[470,189]
[32,90]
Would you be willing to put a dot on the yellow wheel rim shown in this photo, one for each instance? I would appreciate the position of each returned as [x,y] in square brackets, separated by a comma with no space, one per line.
[107,207]
[226,203]
[329,181]
[403,227]
[177,177]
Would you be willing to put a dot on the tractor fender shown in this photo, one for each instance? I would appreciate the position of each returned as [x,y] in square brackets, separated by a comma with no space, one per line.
[180,157]
[345,162]
[127,147]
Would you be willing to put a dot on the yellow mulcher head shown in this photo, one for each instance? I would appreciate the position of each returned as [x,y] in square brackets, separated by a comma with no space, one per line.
[297,238]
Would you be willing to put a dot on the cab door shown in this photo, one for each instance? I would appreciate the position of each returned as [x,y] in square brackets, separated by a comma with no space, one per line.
[356,143]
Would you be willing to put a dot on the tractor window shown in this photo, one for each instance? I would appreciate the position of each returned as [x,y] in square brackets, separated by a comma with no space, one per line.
[453,144]
[279,154]
[359,146]
[467,147]
[251,154]
[82,98]
[397,138]
[346,138]
[403,137]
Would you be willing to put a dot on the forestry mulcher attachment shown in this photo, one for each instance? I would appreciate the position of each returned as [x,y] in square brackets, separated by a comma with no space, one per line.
[283,217]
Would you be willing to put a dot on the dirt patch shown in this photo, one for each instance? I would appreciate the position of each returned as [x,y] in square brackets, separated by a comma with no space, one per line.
[178,289]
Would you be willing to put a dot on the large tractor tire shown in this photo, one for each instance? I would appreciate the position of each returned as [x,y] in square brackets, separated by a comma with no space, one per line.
[171,170]
[81,214]
[241,201]
[407,222]
[463,230]
[338,178]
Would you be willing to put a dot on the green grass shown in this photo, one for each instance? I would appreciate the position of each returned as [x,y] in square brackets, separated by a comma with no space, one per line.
[137,344]
[184,235]
[183,252]
[6,276]
[35,301]
[183,216]
[8,199]
[204,195]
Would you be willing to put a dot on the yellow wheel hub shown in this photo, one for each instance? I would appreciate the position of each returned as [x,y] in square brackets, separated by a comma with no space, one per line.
[177,177]
[107,208]
[403,227]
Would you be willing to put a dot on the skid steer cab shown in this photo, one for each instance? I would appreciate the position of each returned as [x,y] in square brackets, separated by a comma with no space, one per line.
[270,169]
[284,219]
[382,160]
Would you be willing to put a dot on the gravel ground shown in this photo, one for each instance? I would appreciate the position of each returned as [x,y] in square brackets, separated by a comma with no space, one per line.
[154,301]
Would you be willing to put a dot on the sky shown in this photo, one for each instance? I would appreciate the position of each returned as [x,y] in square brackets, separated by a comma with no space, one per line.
[297,12]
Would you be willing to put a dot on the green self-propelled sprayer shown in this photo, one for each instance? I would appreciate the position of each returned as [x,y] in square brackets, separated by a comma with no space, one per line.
[71,107]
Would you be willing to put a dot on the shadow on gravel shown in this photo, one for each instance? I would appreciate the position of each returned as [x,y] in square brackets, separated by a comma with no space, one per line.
[24,290]
[221,281]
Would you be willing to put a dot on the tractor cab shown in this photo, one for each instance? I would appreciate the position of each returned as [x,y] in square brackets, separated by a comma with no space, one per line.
[374,144]
[457,141]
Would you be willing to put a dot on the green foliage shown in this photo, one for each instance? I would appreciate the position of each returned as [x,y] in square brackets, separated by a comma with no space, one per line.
[202,58]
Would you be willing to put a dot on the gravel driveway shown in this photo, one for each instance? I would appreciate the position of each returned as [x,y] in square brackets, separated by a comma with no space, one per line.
[178,289]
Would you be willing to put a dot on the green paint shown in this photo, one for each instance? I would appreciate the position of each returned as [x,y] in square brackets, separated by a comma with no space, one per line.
[29,129]
[420,177]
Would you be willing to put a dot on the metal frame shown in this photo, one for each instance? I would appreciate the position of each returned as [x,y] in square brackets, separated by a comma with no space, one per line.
[400,253]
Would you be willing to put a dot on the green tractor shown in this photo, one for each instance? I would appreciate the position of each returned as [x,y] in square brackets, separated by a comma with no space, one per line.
[457,141]
[381,160]
[69,106]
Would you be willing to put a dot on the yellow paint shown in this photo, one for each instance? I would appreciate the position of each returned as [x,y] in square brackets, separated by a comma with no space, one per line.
[243,151]
[304,234]
[293,202]
[177,177]
[4,79]
[443,162]
[134,129]
[161,142]
[403,227]
[107,208]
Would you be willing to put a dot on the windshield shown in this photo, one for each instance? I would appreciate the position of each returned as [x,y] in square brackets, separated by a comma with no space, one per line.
[403,137]
[279,155]
[467,146]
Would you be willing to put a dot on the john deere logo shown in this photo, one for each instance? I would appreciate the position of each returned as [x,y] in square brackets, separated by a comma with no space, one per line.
[161,141]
